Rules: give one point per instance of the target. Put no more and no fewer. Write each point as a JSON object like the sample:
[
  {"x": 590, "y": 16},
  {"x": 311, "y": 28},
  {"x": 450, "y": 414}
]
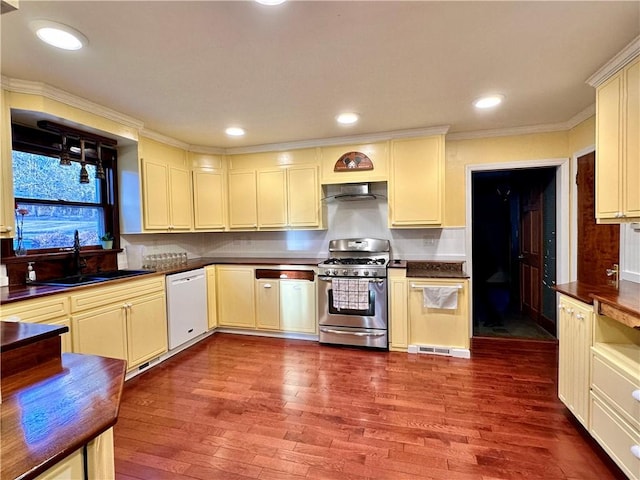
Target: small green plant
[{"x": 107, "y": 237}]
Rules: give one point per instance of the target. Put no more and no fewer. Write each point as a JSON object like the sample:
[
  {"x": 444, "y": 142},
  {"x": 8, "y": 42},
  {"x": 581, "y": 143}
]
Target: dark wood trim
[{"x": 285, "y": 274}]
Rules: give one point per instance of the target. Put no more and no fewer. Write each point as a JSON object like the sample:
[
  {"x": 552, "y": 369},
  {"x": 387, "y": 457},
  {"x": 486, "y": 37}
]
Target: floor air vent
[{"x": 436, "y": 350}]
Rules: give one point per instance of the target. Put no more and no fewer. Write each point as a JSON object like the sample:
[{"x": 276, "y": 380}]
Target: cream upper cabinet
[
  {"x": 618, "y": 146},
  {"x": 209, "y": 200},
  {"x": 243, "y": 198},
  {"x": 272, "y": 198},
  {"x": 378, "y": 153},
  {"x": 166, "y": 187},
  {"x": 303, "y": 200},
  {"x": 575, "y": 324},
  {"x": 289, "y": 197},
  {"x": 235, "y": 296},
  {"x": 416, "y": 182}
]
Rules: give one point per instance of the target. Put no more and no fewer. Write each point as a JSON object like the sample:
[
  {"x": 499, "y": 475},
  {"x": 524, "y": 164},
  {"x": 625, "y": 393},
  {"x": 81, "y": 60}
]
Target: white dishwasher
[{"x": 186, "y": 306}]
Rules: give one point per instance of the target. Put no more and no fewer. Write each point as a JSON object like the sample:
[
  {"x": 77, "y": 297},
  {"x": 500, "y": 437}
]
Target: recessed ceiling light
[
  {"x": 59, "y": 35},
  {"x": 270, "y": 2},
  {"x": 488, "y": 101},
  {"x": 234, "y": 131},
  {"x": 347, "y": 118}
]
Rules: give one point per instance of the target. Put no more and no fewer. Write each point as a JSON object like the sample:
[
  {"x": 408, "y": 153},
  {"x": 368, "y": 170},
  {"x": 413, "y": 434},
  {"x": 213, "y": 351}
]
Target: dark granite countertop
[{"x": 26, "y": 292}]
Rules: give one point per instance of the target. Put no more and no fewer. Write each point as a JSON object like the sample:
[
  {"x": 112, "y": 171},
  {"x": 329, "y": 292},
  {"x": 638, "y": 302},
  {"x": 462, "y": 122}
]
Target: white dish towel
[
  {"x": 440, "y": 297},
  {"x": 350, "y": 293}
]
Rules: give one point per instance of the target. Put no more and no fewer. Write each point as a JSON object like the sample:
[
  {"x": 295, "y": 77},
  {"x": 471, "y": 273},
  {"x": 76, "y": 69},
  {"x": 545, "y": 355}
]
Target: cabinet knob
[
  {"x": 636, "y": 394},
  {"x": 570, "y": 311},
  {"x": 635, "y": 450},
  {"x": 561, "y": 307},
  {"x": 580, "y": 316}
]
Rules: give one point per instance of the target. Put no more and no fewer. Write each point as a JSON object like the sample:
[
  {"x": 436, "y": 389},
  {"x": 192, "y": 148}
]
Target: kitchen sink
[{"x": 87, "y": 279}]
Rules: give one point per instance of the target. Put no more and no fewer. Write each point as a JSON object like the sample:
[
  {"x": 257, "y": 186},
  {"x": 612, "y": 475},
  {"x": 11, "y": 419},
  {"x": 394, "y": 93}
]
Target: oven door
[{"x": 374, "y": 317}]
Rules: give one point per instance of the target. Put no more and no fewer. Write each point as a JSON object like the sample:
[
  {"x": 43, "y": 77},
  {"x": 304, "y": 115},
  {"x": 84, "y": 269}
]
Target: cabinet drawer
[
  {"x": 39, "y": 310},
  {"x": 100, "y": 296},
  {"x": 617, "y": 389},
  {"x": 615, "y": 436}
]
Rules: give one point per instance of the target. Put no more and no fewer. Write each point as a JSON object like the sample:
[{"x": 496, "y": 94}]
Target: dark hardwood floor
[{"x": 239, "y": 407}]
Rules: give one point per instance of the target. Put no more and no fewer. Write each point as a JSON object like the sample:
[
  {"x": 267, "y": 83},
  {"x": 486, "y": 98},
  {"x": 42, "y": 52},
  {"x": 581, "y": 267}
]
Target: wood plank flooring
[{"x": 241, "y": 407}]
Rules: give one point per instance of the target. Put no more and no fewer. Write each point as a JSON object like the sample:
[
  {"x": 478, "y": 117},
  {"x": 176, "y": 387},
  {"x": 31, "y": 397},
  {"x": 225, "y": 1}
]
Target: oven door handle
[
  {"x": 379, "y": 281},
  {"x": 357, "y": 334}
]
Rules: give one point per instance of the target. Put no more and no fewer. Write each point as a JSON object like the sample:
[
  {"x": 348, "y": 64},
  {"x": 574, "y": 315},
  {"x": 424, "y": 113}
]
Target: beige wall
[
  {"x": 582, "y": 135},
  {"x": 460, "y": 153}
]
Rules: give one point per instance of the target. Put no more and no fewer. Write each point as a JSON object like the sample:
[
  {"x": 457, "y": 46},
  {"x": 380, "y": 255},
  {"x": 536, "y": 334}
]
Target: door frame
[{"x": 563, "y": 225}]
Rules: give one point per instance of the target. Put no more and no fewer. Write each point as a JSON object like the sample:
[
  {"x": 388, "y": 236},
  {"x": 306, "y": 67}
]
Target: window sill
[{"x": 38, "y": 257}]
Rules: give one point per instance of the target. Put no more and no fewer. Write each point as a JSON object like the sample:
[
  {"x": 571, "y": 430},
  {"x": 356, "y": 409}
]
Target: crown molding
[
  {"x": 628, "y": 53},
  {"x": 159, "y": 137},
  {"x": 53, "y": 93},
  {"x": 209, "y": 150},
  {"x": 328, "y": 142},
  {"x": 528, "y": 129}
]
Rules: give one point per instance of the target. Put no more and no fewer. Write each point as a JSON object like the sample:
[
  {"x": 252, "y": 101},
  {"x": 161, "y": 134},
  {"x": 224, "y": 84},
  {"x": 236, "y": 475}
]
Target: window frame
[{"x": 39, "y": 142}]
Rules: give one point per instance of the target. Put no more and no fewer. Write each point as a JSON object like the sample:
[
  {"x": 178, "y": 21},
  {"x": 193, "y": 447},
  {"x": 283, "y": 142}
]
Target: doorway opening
[{"x": 513, "y": 243}]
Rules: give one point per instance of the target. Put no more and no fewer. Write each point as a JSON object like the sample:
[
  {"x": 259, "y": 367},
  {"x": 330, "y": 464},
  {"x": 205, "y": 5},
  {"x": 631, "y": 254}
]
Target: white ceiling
[{"x": 190, "y": 69}]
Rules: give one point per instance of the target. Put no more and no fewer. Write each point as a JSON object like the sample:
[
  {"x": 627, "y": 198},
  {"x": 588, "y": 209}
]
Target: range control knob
[
  {"x": 345, "y": 272},
  {"x": 355, "y": 272},
  {"x": 366, "y": 273}
]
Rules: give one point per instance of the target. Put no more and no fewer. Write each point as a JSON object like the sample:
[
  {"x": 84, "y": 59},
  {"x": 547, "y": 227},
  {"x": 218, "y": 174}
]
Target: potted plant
[{"x": 107, "y": 241}]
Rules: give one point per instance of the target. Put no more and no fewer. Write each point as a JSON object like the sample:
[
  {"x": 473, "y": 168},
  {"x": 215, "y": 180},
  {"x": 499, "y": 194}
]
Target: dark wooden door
[
  {"x": 530, "y": 256},
  {"x": 598, "y": 245}
]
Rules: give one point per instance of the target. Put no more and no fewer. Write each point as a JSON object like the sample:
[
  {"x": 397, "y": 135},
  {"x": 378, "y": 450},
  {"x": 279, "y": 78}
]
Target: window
[{"x": 51, "y": 203}]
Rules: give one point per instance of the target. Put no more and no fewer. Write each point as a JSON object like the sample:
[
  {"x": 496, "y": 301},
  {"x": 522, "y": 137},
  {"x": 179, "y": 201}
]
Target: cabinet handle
[
  {"x": 636, "y": 394},
  {"x": 580, "y": 316},
  {"x": 5, "y": 229},
  {"x": 561, "y": 307},
  {"x": 570, "y": 311},
  {"x": 267, "y": 285},
  {"x": 635, "y": 450}
]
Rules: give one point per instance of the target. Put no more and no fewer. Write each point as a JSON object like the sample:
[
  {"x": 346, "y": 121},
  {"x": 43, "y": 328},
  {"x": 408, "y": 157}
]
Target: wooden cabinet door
[
  {"x": 235, "y": 296},
  {"x": 608, "y": 144},
  {"x": 303, "y": 196},
  {"x": 298, "y": 312},
  {"x": 416, "y": 182},
  {"x": 156, "y": 204},
  {"x": 243, "y": 211},
  {"x": 268, "y": 304},
  {"x": 272, "y": 198},
  {"x": 209, "y": 200},
  {"x": 146, "y": 328},
  {"x": 631, "y": 167},
  {"x": 101, "y": 332},
  {"x": 180, "y": 217}
]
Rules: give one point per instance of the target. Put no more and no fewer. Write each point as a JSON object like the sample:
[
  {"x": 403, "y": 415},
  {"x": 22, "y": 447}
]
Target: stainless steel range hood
[{"x": 354, "y": 191}]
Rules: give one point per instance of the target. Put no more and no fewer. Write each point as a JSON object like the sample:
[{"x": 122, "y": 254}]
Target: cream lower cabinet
[
  {"x": 575, "y": 324},
  {"x": 416, "y": 182},
  {"x": 126, "y": 321},
  {"x": 51, "y": 310},
  {"x": 212, "y": 301},
  {"x": 298, "y": 306},
  {"x": 268, "y": 304},
  {"x": 235, "y": 296},
  {"x": 398, "y": 315},
  {"x": 618, "y": 146},
  {"x": 448, "y": 328},
  {"x": 70, "y": 468},
  {"x": 615, "y": 392}
]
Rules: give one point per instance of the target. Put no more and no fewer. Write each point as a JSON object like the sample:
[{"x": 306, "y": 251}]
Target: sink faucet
[
  {"x": 614, "y": 273},
  {"x": 78, "y": 262}
]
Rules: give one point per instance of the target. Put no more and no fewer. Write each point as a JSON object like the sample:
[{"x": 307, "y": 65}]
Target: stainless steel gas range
[{"x": 352, "y": 293}]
